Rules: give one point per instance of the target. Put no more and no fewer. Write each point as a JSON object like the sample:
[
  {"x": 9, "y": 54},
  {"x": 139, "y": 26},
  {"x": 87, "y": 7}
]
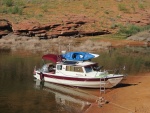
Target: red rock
[
  {"x": 54, "y": 25},
  {"x": 26, "y": 25},
  {"x": 69, "y": 33},
  {"x": 53, "y": 32},
  {"x": 3, "y": 33},
  {"x": 37, "y": 32},
  {"x": 5, "y": 27},
  {"x": 80, "y": 22},
  {"x": 34, "y": 28},
  {"x": 72, "y": 26},
  {"x": 4, "y": 23},
  {"x": 60, "y": 28}
]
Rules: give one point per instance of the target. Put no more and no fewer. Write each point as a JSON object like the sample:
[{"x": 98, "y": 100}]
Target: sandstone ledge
[{"x": 32, "y": 28}]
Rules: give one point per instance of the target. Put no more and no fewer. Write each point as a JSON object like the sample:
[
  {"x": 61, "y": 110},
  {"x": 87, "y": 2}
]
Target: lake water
[{"x": 20, "y": 93}]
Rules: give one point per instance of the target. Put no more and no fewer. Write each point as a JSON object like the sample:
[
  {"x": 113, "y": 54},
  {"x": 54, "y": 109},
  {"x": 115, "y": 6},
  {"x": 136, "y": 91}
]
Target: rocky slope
[{"x": 72, "y": 19}]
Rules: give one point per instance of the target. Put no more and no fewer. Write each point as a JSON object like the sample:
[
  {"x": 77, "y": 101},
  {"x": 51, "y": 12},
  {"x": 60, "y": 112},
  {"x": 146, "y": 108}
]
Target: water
[
  {"x": 130, "y": 60},
  {"x": 19, "y": 93}
]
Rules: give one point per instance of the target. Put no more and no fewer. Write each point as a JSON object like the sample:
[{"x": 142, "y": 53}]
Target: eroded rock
[{"x": 5, "y": 27}]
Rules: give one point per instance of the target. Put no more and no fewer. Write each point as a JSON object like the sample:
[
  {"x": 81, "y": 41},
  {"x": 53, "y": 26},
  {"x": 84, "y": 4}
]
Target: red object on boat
[{"x": 52, "y": 57}]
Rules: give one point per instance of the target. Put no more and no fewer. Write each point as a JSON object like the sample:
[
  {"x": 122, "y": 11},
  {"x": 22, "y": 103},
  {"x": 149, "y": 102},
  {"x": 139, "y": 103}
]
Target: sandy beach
[{"x": 131, "y": 96}]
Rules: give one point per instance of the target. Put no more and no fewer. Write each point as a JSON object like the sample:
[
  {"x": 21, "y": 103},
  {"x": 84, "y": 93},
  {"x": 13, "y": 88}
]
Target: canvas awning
[{"x": 52, "y": 57}]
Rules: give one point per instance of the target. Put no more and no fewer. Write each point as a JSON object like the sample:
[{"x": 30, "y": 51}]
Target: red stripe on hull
[{"x": 77, "y": 79}]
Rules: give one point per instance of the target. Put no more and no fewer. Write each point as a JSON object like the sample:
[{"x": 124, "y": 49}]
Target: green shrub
[
  {"x": 44, "y": 8},
  {"x": 8, "y": 3},
  {"x": 133, "y": 7},
  {"x": 128, "y": 30},
  {"x": 12, "y": 10},
  {"x": 106, "y": 12},
  {"x": 4, "y": 10},
  {"x": 16, "y": 10},
  {"x": 122, "y": 7},
  {"x": 113, "y": 26},
  {"x": 141, "y": 6},
  {"x": 131, "y": 29}
]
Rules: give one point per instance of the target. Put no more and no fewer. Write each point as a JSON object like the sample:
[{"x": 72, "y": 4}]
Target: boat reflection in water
[{"x": 71, "y": 99}]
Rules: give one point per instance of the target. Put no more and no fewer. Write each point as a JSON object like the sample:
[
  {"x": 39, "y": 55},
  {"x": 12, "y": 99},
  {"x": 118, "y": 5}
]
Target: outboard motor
[{"x": 45, "y": 68}]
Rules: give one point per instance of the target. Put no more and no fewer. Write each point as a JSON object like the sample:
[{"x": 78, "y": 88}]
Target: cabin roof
[
  {"x": 86, "y": 63},
  {"x": 78, "y": 63}
]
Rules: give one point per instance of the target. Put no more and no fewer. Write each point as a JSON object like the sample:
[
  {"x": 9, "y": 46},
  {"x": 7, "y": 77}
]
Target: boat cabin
[{"x": 75, "y": 68}]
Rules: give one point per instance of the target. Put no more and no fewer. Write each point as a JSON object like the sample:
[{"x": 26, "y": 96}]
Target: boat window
[
  {"x": 88, "y": 69},
  {"x": 69, "y": 68},
  {"x": 59, "y": 67},
  {"x": 78, "y": 69},
  {"x": 74, "y": 69}
]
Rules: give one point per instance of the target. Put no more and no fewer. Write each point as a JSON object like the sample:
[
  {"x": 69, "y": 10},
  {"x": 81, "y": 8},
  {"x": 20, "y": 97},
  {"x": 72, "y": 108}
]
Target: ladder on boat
[{"x": 102, "y": 85}]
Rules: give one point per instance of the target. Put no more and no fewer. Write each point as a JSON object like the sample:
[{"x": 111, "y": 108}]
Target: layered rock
[
  {"x": 50, "y": 30},
  {"x": 137, "y": 19},
  {"x": 5, "y": 27}
]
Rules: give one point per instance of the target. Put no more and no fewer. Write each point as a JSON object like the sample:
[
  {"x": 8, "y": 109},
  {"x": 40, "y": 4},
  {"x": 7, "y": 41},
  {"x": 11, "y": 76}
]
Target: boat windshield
[{"x": 88, "y": 69}]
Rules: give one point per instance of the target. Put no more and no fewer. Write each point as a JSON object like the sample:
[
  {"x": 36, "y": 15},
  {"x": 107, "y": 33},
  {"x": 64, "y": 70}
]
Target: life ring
[{"x": 41, "y": 76}]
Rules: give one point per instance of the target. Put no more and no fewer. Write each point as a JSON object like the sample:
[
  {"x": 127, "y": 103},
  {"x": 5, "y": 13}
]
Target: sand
[{"x": 131, "y": 96}]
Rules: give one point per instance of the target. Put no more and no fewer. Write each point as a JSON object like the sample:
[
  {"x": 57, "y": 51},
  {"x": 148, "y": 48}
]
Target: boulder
[
  {"x": 30, "y": 28},
  {"x": 141, "y": 36},
  {"x": 5, "y": 27}
]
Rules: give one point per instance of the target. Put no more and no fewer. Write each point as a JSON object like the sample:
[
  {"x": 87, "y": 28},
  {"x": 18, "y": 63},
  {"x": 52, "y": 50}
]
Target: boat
[
  {"x": 79, "y": 56},
  {"x": 75, "y": 73}
]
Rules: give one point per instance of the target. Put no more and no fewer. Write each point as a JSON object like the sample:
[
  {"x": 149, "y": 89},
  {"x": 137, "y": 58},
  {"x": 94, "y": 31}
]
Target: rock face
[
  {"x": 5, "y": 27},
  {"x": 48, "y": 31},
  {"x": 31, "y": 28}
]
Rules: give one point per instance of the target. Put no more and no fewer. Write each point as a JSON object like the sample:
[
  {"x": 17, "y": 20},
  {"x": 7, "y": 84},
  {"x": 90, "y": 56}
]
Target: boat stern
[{"x": 114, "y": 80}]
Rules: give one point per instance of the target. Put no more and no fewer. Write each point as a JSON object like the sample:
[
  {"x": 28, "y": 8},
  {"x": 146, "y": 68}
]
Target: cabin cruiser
[{"x": 78, "y": 73}]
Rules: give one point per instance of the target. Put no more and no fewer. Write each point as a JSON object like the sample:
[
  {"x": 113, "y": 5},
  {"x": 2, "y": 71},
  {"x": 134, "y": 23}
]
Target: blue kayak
[{"x": 79, "y": 56}]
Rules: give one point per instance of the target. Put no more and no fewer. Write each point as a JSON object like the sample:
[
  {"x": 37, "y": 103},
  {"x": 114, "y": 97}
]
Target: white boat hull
[{"x": 108, "y": 82}]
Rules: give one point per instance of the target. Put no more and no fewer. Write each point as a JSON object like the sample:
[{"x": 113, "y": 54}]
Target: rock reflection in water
[{"x": 67, "y": 98}]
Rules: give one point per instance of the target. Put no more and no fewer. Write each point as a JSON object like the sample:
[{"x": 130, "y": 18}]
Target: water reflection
[
  {"x": 68, "y": 98},
  {"x": 139, "y": 49},
  {"x": 135, "y": 59}
]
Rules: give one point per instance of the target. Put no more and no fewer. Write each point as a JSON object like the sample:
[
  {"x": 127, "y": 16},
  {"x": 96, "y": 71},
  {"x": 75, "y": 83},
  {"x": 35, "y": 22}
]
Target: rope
[
  {"x": 101, "y": 101},
  {"x": 122, "y": 107}
]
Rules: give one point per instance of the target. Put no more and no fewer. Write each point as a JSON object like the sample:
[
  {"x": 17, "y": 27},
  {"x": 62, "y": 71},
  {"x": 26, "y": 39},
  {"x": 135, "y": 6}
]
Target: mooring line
[{"x": 122, "y": 107}]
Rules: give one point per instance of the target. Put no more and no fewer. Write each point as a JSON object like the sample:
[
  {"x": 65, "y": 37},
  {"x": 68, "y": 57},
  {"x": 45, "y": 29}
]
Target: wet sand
[{"x": 131, "y": 96}]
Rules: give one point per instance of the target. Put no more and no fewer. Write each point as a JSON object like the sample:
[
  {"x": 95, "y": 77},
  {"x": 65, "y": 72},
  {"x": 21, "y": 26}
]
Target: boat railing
[{"x": 115, "y": 71}]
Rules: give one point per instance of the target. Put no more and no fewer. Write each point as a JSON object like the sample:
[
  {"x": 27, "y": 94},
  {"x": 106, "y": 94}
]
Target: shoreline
[
  {"x": 131, "y": 96},
  {"x": 17, "y": 44}
]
